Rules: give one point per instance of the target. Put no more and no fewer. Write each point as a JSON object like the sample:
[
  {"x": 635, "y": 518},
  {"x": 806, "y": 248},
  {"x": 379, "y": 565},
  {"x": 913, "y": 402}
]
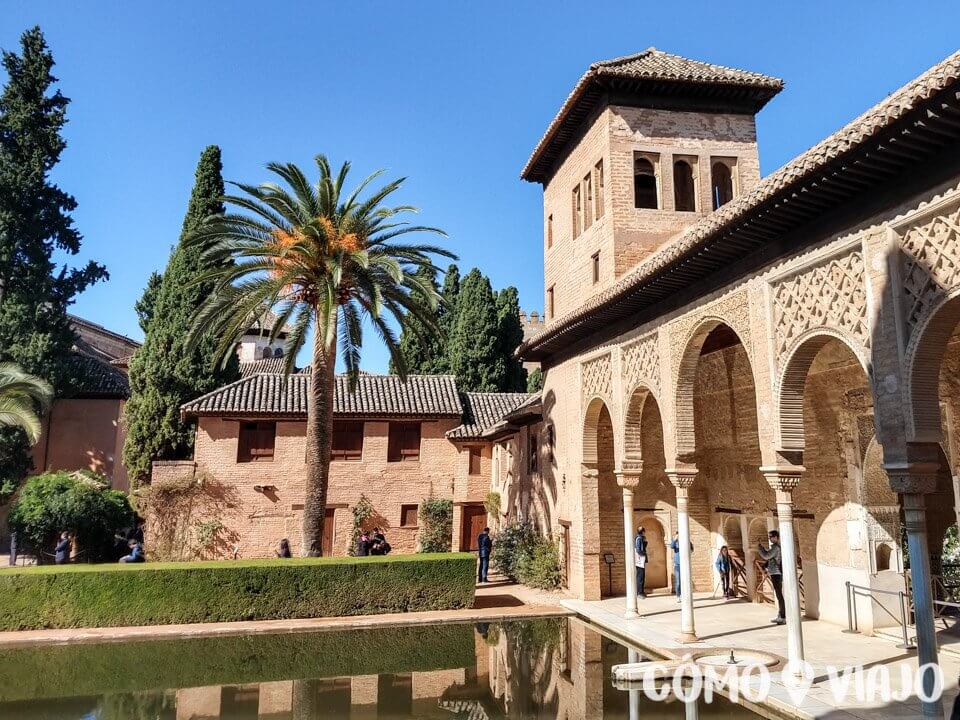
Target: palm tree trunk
[{"x": 319, "y": 435}]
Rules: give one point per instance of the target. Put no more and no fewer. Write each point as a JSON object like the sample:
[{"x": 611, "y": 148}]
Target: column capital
[
  {"x": 783, "y": 478},
  {"x": 912, "y": 478},
  {"x": 682, "y": 476},
  {"x": 628, "y": 475}
]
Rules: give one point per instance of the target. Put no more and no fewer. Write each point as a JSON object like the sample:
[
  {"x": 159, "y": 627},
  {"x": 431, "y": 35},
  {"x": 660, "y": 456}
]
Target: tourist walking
[
  {"x": 775, "y": 571},
  {"x": 283, "y": 549},
  {"x": 640, "y": 560},
  {"x": 675, "y": 546},
  {"x": 484, "y": 547},
  {"x": 723, "y": 566},
  {"x": 363, "y": 544},
  {"x": 61, "y": 555}
]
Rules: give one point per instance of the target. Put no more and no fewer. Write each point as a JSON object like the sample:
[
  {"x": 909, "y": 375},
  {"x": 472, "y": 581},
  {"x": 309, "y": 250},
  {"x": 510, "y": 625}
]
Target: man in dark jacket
[
  {"x": 61, "y": 555},
  {"x": 775, "y": 571},
  {"x": 484, "y": 546},
  {"x": 640, "y": 560}
]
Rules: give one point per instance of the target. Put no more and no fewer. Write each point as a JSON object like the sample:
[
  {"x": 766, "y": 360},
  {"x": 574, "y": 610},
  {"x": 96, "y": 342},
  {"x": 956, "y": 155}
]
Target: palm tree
[
  {"x": 23, "y": 399},
  {"x": 322, "y": 262}
]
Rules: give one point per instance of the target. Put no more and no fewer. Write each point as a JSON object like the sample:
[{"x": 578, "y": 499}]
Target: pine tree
[
  {"x": 509, "y": 337},
  {"x": 163, "y": 373},
  {"x": 35, "y": 223},
  {"x": 424, "y": 350},
  {"x": 145, "y": 306},
  {"x": 474, "y": 352}
]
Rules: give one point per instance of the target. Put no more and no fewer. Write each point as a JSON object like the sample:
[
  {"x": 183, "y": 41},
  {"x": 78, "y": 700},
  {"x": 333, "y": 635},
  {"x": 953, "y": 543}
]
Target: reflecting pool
[{"x": 544, "y": 668}]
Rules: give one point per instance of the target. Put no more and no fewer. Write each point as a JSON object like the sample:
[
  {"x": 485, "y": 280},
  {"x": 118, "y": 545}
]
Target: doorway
[
  {"x": 474, "y": 521},
  {"x": 656, "y": 575}
]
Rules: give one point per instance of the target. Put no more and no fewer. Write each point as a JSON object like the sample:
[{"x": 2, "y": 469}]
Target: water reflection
[{"x": 549, "y": 668}]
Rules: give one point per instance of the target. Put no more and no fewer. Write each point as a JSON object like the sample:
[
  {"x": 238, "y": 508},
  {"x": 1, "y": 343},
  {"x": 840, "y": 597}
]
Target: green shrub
[
  {"x": 362, "y": 512},
  {"x": 436, "y": 525},
  {"x": 507, "y": 545},
  {"x": 78, "y": 502},
  {"x": 223, "y": 591},
  {"x": 521, "y": 554},
  {"x": 539, "y": 565},
  {"x": 82, "y": 669}
]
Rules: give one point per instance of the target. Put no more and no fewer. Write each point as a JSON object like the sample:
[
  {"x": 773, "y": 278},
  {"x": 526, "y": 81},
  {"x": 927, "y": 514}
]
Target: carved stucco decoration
[
  {"x": 641, "y": 364},
  {"x": 732, "y": 309},
  {"x": 930, "y": 265},
  {"x": 831, "y": 294},
  {"x": 596, "y": 378}
]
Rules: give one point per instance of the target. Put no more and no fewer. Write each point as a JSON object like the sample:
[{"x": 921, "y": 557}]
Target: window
[
  {"x": 266, "y": 353},
  {"x": 577, "y": 212},
  {"x": 587, "y": 201},
  {"x": 278, "y": 352},
  {"x": 408, "y": 515},
  {"x": 644, "y": 183},
  {"x": 550, "y": 231},
  {"x": 474, "y": 453},
  {"x": 684, "y": 189},
  {"x": 404, "y": 442},
  {"x": 257, "y": 441},
  {"x": 598, "y": 183},
  {"x": 550, "y": 302},
  {"x": 533, "y": 452},
  {"x": 550, "y": 443},
  {"x": 595, "y": 262},
  {"x": 721, "y": 181},
  {"x": 347, "y": 440}
]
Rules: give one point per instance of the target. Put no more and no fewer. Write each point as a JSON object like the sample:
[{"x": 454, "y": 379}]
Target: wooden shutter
[
  {"x": 474, "y": 460},
  {"x": 257, "y": 441},
  {"x": 404, "y": 442},
  {"x": 347, "y": 440},
  {"x": 408, "y": 515}
]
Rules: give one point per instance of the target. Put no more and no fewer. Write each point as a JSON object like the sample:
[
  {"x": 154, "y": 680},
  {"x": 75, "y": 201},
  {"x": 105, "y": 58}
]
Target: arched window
[
  {"x": 883, "y": 557},
  {"x": 684, "y": 193},
  {"x": 644, "y": 184},
  {"x": 722, "y": 184},
  {"x": 278, "y": 353},
  {"x": 266, "y": 353}
]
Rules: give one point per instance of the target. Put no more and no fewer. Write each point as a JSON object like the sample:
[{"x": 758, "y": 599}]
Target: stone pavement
[
  {"x": 494, "y": 602},
  {"x": 738, "y": 624}
]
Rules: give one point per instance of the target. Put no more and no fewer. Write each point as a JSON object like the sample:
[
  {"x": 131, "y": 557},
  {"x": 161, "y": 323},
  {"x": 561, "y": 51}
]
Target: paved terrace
[{"x": 743, "y": 625}]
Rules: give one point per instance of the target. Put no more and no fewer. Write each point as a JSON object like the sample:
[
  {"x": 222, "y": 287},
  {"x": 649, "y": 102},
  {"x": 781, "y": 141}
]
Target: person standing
[
  {"x": 723, "y": 567},
  {"x": 640, "y": 559},
  {"x": 61, "y": 555},
  {"x": 775, "y": 571},
  {"x": 283, "y": 549},
  {"x": 363, "y": 544},
  {"x": 484, "y": 546},
  {"x": 675, "y": 546}
]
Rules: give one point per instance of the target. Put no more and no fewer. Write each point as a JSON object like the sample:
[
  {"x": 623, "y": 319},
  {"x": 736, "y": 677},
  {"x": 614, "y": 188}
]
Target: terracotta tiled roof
[
  {"x": 375, "y": 396},
  {"x": 98, "y": 378},
  {"x": 805, "y": 167},
  {"x": 483, "y": 410},
  {"x": 267, "y": 365},
  {"x": 657, "y": 72}
]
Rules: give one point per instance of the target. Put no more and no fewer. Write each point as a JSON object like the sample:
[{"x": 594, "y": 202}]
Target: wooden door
[
  {"x": 565, "y": 570},
  {"x": 474, "y": 521},
  {"x": 328, "y": 526},
  {"x": 656, "y": 575}
]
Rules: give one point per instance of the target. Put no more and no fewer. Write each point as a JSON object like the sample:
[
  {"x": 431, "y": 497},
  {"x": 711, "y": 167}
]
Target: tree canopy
[
  {"x": 165, "y": 372},
  {"x": 35, "y": 223}
]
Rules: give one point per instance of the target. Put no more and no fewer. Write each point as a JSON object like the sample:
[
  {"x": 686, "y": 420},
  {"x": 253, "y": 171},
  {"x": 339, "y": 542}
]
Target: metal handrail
[{"x": 853, "y": 625}]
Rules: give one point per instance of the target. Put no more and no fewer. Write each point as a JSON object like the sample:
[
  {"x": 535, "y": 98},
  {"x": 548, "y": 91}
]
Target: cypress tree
[
  {"x": 509, "y": 337},
  {"x": 423, "y": 349},
  {"x": 35, "y": 222},
  {"x": 535, "y": 381},
  {"x": 163, "y": 374},
  {"x": 145, "y": 305},
  {"x": 451, "y": 295},
  {"x": 474, "y": 352}
]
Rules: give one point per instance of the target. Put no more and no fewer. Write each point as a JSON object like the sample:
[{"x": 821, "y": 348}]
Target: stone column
[
  {"x": 749, "y": 554},
  {"x": 784, "y": 480},
  {"x": 682, "y": 478},
  {"x": 913, "y": 481},
  {"x": 628, "y": 477}
]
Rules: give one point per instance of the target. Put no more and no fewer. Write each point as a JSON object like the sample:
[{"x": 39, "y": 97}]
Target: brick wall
[{"x": 256, "y": 520}]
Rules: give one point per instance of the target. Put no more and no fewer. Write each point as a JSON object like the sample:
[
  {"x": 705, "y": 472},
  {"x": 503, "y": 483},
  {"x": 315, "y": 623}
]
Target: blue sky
[{"x": 452, "y": 95}]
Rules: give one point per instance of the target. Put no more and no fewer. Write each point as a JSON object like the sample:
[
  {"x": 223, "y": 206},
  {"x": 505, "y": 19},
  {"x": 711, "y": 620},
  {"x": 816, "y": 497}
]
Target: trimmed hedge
[
  {"x": 69, "y": 670},
  {"x": 223, "y": 591}
]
